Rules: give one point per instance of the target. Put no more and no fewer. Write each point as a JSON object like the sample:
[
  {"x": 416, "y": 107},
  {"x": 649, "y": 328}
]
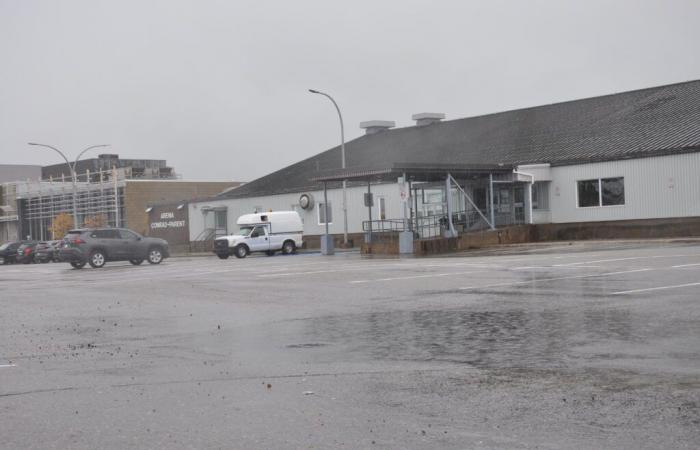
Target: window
[
  {"x": 433, "y": 196},
  {"x": 126, "y": 234},
  {"x": 481, "y": 198},
  {"x": 613, "y": 191},
  {"x": 601, "y": 192},
  {"x": 540, "y": 195},
  {"x": 503, "y": 200},
  {"x": 588, "y": 193},
  {"x": 105, "y": 234},
  {"x": 258, "y": 232},
  {"x": 381, "y": 208},
  {"x": 220, "y": 221},
  {"x": 322, "y": 213}
]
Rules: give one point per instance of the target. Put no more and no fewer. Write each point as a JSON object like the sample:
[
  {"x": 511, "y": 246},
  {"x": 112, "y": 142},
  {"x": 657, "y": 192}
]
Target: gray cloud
[{"x": 218, "y": 88}]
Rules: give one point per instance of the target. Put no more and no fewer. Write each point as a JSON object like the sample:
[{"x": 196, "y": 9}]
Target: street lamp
[
  {"x": 72, "y": 173},
  {"x": 342, "y": 156}
]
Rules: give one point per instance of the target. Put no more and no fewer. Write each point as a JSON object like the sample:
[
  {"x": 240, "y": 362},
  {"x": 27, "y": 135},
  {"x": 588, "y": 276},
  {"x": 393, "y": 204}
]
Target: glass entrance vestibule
[
  {"x": 448, "y": 201},
  {"x": 471, "y": 209}
]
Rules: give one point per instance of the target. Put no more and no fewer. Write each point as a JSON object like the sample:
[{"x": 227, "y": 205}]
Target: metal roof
[{"x": 648, "y": 122}]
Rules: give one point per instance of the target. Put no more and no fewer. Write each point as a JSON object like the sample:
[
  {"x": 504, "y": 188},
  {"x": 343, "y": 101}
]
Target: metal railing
[
  {"x": 424, "y": 227},
  {"x": 207, "y": 234}
]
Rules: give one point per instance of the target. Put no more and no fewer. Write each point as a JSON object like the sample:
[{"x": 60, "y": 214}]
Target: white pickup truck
[{"x": 262, "y": 232}]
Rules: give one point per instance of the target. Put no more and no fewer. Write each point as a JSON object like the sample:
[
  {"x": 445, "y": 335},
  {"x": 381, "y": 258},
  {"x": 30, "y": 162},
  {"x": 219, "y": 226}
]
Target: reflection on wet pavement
[{"x": 495, "y": 339}]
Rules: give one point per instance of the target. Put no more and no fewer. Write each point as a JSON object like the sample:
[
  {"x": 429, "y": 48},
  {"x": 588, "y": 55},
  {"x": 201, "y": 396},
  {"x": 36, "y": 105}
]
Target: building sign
[
  {"x": 169, "y": 222},
  {"x": 404, "y": 193}
]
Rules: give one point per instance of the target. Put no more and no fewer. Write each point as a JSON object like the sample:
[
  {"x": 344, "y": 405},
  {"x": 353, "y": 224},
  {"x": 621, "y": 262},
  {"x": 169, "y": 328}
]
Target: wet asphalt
[{"x": 581, "y": 346}]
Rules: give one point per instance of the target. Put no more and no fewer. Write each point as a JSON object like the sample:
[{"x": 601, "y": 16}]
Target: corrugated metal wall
[{"x": 659, "y": 187}]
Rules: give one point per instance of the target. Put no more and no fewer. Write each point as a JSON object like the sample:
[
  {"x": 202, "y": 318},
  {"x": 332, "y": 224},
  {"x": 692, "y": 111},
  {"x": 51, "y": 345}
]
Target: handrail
[{"x": 492, "y": 225}]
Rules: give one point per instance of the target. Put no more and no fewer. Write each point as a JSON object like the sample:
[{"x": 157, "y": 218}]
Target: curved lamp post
[
  {"x": 72, "y": 173},
  {"x": 342, "y": 156}
]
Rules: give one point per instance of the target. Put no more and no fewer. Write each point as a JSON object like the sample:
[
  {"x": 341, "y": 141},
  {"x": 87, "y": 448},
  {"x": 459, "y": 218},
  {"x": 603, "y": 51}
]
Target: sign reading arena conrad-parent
[{"x": 169, "y": 223}]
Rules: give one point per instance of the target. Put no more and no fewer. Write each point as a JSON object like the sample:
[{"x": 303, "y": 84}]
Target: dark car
[
  {"x": 25, "y": 252},
  {"x": 99, "y": 245},
  {"x": 47, "y": 251},
  {"x": 8, "y": 251}
]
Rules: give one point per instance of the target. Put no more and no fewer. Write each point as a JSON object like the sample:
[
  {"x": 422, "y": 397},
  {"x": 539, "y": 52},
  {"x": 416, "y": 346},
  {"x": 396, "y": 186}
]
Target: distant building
[
  {"x": 152, "y": 169},
  {"x": 117, "y": 191}
]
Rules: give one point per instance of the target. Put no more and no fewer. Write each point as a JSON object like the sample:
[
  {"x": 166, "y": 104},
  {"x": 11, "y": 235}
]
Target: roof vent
[
  {"x": 376, "y": 126},
  {"x": 427, "y": 118}
]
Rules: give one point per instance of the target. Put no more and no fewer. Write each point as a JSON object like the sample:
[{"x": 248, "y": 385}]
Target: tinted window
[
  {"x": 588, "y": 194},
  {"x": 126, "y": 234},
  {"x": 4, "y": 246},
  {"x": 613, "y": 191},
  {"x": 105, "y": 234}
]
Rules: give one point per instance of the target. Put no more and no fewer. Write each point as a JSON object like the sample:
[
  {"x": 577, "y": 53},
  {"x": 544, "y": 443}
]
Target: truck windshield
[{"x": 245, "y": 231}]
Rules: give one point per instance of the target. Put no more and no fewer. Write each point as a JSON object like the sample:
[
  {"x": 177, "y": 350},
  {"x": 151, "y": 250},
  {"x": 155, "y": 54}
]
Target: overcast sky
[{"x": 219, "y": 88}]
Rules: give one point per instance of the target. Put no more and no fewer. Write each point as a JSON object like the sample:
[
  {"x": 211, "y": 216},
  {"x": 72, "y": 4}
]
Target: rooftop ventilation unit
[
  {"x": 427, "y": 118},
  {"x": 377, "y": 126}
]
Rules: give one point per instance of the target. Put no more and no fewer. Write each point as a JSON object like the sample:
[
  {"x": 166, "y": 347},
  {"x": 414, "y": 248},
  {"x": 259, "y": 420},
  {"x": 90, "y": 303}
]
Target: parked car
[
  {"x": 47, "y": 251},
  {"x": 8, "y": 251},
  {"x": 25, "y": 252},
  {"x": 266, "y": 232},
  {"x": 96, "y": 246}
]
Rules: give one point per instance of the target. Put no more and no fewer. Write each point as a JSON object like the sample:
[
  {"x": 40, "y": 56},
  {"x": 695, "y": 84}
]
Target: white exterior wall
[
  {"x": 658, "y": 187},
  {"x": 357, "y": 212}
]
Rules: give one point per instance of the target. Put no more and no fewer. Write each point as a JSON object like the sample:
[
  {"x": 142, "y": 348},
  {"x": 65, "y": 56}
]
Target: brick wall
[{"x": 139, "y": 194}]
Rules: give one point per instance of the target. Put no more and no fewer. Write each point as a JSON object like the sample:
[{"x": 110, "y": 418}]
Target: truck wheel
[
  {"x": 223, "y": 255},
  {"x": 77, "y": 265},
  {"x": 97, "y": 259},
  {"x": 270, "y": 253},
  {"x": 288, "y": 247},
  {"x": 241, "y": 251}
]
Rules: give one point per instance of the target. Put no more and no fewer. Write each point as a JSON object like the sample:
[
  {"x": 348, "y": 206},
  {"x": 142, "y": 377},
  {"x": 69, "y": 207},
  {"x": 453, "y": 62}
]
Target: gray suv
[{"x": 99, "y": 245}]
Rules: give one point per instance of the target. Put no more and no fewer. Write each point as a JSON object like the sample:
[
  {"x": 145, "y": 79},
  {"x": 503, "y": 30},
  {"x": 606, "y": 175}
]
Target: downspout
[{"x": 532, "y": 182}]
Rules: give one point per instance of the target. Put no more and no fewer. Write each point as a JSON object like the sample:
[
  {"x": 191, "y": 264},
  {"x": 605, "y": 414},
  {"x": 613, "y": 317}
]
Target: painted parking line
[
  {"x": 659, "y": 288},
  {"x": 554, "y": 267},
  {"x": 412, "y": 277},
  {"x": 3, "y": 366},
  {"x": 572, "y": 277},
  {"x": 631, "y": 258},
  {"x": 685, "y": 265},
  {"x": 363, "y": 267}
]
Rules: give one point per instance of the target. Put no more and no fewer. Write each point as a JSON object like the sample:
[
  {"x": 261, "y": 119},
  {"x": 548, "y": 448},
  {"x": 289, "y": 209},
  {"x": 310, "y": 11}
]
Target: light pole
[
  {"x": 72, "y": 173},
  {"x": 342, "y": 156}
]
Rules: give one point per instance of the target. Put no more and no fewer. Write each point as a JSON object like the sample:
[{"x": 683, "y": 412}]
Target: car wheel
[
  {"x": 155, "y": 256},
  {"x": 288, "y": 247},
  {"x": 222, "y": 255},
  {"x": 241, "y": 251},
  {"x": 97, "y": 259},
  {"x": 77, "y": 265},
  {"x": 136, "y": 261}
]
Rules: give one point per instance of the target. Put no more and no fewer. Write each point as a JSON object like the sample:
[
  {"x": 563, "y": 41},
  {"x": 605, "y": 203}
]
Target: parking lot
[{"x": 593, "y": 345}]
